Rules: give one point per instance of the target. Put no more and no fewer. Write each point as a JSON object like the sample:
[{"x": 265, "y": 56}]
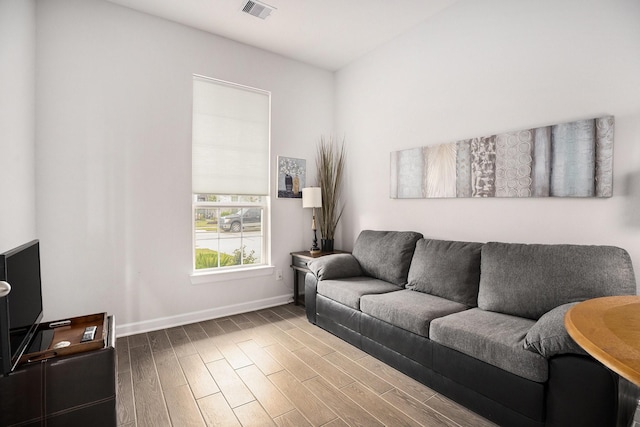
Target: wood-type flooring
[{"x": 268, "y": 368}]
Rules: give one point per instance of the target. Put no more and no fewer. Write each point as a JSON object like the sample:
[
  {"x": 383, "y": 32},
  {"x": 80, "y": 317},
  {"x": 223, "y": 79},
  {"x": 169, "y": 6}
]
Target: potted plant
[{"x": 330, "y": 173}]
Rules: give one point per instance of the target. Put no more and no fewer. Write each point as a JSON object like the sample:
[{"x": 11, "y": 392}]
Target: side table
[{"x": 299, "y": 262}]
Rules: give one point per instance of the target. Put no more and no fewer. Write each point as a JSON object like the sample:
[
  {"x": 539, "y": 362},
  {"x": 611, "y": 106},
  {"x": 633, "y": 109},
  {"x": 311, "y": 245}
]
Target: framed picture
[
  {"x": 291, "y": 177},
  {"x": 573, "y": 159}
]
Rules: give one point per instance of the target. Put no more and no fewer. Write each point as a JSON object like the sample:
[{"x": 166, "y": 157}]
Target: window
[
  {"x": 229, "y": 231},
  {"x": 230, "y": 158}
]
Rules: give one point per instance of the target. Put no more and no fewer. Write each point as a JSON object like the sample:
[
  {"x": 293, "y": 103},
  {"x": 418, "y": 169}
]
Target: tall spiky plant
[{"x": 330, "y": 162}]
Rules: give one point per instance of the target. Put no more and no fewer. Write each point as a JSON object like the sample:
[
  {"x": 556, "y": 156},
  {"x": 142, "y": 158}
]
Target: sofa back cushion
[
  {"x": 446, "y": 269},
  {"x": 386, "y": 255},
  {"x": 530, "y": 280}
]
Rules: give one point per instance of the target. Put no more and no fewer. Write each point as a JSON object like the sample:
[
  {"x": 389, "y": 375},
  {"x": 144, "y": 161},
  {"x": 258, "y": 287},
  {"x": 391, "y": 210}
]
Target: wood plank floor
[{"x": 268, "y": 368}]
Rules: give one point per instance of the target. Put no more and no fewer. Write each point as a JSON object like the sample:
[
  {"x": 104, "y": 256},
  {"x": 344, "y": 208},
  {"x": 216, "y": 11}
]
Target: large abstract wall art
[{"x": 565, "y": 160}]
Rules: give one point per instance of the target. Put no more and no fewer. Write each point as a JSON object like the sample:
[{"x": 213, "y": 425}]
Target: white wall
[
  {"x": 482, "y": 67},
  {"x": 114, "y": 162},
  {"x": 113, "y": 131},
  {"x": 17, "y": 122}
]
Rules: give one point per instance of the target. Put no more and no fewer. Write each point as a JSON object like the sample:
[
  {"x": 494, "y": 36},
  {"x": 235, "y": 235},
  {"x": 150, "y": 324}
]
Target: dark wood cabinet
[{"x": 77, "y": 389}]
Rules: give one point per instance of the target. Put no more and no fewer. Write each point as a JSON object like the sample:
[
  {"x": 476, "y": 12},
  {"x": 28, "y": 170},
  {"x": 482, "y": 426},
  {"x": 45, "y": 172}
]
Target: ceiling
[{"x": 325, "y": 33}]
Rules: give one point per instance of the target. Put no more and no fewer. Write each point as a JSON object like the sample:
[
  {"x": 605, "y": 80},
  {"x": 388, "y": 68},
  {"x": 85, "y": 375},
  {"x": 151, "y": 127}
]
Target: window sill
[{"x": 223, "y": 276}]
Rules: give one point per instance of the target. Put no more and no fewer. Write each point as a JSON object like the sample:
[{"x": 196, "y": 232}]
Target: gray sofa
[{"x": 481, "y": 323}]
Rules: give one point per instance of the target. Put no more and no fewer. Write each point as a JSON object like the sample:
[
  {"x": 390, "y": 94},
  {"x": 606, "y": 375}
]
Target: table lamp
[{"x": 312, "y": 198}]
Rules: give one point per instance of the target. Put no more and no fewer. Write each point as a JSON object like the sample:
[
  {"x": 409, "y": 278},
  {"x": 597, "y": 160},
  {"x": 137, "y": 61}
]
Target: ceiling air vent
[{"x": 256, "y": 8}]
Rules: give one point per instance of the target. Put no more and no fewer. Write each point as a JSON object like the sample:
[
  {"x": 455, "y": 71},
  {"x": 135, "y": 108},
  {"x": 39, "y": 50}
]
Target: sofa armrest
[
  {"x": 549, "y": 337},
  {"x": 336, "y": 266},
  {"x": 310, "y": 292},
  {"x": 582, "y": 391}
]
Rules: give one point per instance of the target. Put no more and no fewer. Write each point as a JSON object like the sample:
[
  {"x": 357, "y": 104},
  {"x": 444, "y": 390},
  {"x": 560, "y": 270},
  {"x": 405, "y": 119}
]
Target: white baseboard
[{"x": 199, "y": 316}]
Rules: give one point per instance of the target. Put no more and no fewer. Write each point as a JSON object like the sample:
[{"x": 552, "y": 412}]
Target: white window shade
[{"x": 230, "y": 147}]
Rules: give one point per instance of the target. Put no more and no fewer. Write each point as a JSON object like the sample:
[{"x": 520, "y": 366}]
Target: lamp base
[{"x": 315, "y": 250}]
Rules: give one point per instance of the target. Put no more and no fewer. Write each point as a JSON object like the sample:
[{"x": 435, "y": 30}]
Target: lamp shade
[{"x": 311, "y": 197}]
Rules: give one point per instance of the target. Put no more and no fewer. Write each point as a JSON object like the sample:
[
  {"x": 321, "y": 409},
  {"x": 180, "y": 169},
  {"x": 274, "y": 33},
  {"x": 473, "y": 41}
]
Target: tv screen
[{"x": 21, "y": 309}]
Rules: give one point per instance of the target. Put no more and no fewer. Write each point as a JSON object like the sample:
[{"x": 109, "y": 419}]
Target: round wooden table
[{"x": 608, "y": 328}]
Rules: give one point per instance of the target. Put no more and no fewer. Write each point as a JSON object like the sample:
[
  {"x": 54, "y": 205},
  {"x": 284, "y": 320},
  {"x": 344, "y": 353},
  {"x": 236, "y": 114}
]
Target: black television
[{"x": 21, "y": 307}]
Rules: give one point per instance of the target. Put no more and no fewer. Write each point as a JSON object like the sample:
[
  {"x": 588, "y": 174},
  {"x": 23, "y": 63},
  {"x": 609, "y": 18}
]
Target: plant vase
[{"x": 326, "y": 245}]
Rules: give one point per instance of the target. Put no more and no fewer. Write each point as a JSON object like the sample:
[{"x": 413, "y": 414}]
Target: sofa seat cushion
[
  {"x": 348, "y": 291},
  {"x": 409, "y": 310},
  {"x": 494, "y": 338},
  {"x": 447, "y": 269},
  {"x": 386, "y": 255}
]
